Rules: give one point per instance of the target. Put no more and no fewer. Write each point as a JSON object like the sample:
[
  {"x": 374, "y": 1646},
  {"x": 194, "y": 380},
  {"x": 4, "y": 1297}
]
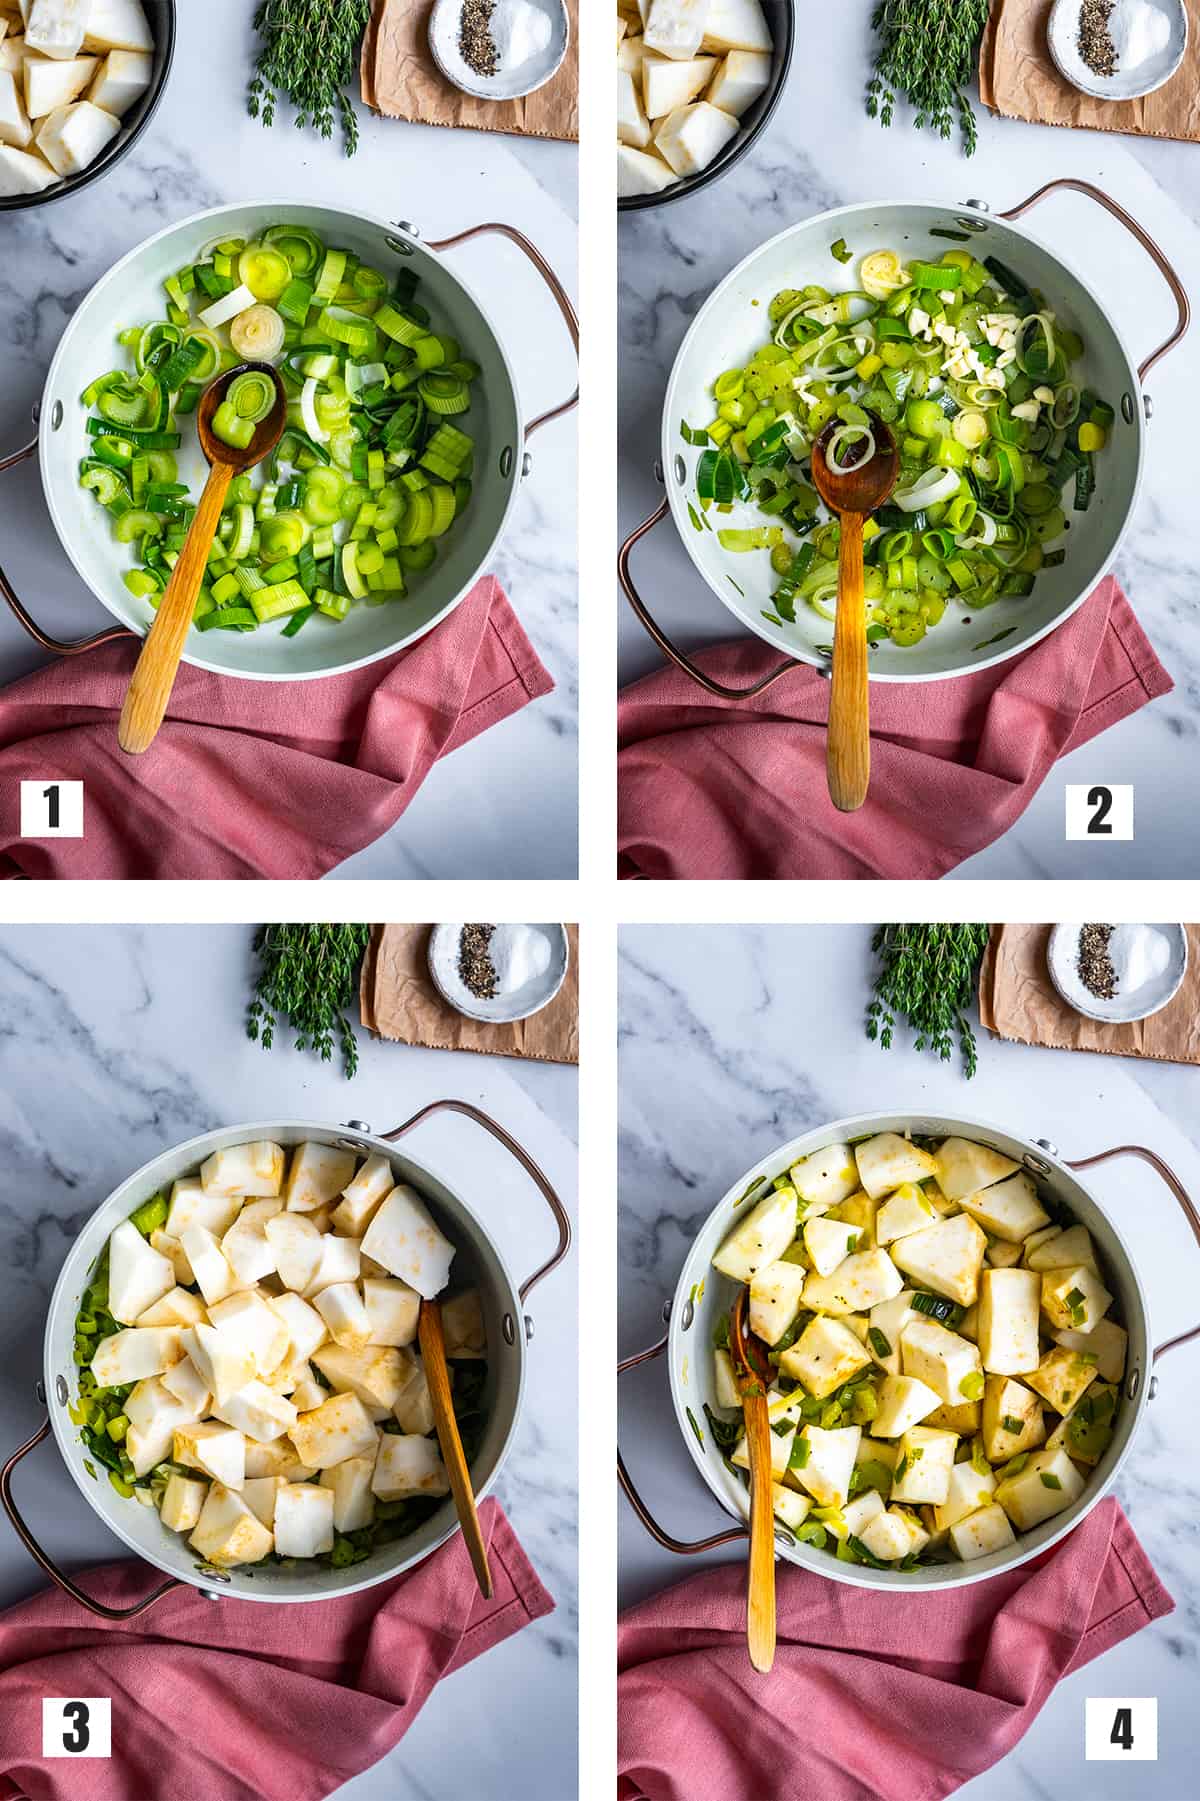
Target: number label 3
[
  {"x": 1120, "y": 1729},
  {"x": 77, "y": 1728}
]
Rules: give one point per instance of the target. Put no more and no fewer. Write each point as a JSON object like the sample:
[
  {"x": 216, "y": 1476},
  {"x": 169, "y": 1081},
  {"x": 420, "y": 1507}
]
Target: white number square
[
  {"x": 1121, "y": 1730},
  {"x": 1099, "y": 812},
  {"x": 51, "y": 809},
  {"x": 77, "y": 1728}
]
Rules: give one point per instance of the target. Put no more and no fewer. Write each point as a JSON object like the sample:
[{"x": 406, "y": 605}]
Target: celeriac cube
[
  {"x": 968, "y": 1325},
  {"x": 377, "y": 1374},
  {"x": 1106, "y": 1341},
  {"x": 1009, "y": 1210},
  {"x": 892, "y": 1535},
  {"x": 981, "y": 1533},
  {"x": 1047, "y": 1485},
  {"x": 1012, "y": 1419},
  {"x": 408, "y": 1465},
  {"x": 825, "y": 1355},
  {"x": 56, "y": 28},
  {"x": 50, "y": 84},
  {"x": 339, "y": 1428},
  {"x": 946, "y": 1258},
  {"x": 190, "y": 1206},
  {"x": 831, "y": 1455},
  {"x": 1062, "y": 1376},
  {"x": 630, "y": 52},
  {"x": 276, "y": 1459},
  {"x": 964, "y": 1167},
  {"x": 856, "y": 1285},
  {"x": 741, "y": 78},
  {"x": 177, "y": 1257},
  {"x": 667, "y": 82},
  {"x": 761, "y": 1238},
  {"x": 1037, "y": 1239},
  {"x": 1001, "y": 1255},
  {"x": 258, "y": 1413},
  {"x": 15, "y": 128},
  {"x": 303, "y": 1519},
  {"x": 182, "y": 1503},
  {"x": 789, "y": 1505},
  {"x": 675, "y": 28},
  {"x": 317, "y": 1175},
  {"x": 393, "y": 1308},
  {"x": 305, "y": 1328},
  {"x": 693, "y": 136},
  {"x": 823, "y": 1179},
  {"x": 178, "y": 1307},
  {"x": 209, "y": 1264},
  {"x": 153, "y": 1415},
  {"x": 781, "y": 1450},
  {"x": 463, "y": 1329},
  {"x": 259, "y": 1492},
  {"x": 724, "y": 1383},
  {"x": 244, "y": 1169},
  {"x": 969, "y": 1490},
  {"x": 828, "y": 1243},
  {"x": 1086, "y": 1433},
  {"x": 736, "y": 25},
  {"x": 1074, "y": 1300},
  {"x": 138, "y": 1275},
  {"x": 942, "y": 1360},
  {"x": 362, "y": 1197},
  {"x": 341, "y": 1307},
  {"x": 353, "y": 1502},
  {"x": 861, "y": 1211},
  {"x": 121, "y": 80},
  {"x": 136, "y": 1352},
  {"x": 638, "y": 172},
  {"x": 12, "y": 59},
  {"x": 903, "y": 1212},
  {"x": 632, "y": 124},
  {"x": 861, "y": 1511},
  {"x": 225, "y": 1360},
  {"x": 1063, "y": 1251},
  {"x": 903, "y": 1403},
  {"x": 212, "y": 1446},
  {"x": 403, "y": 1237},
  {"x": 297, "y": 1248},
  {"x": 228, "y": 1532},
  {"x": 341, "y": 1261},
  {"x": 184, "y": 1381},
  {"x": 963, "y": 1419},
  {"x": 414, "y": 1410},
  {"x": 877, "y": 1450},
  {"x": 308, "y": 1392},
  {"x": 247, "y": 1249},
  {"x": 887, "y": 1322},
  {"x": 888, "y": 1161},
  {"x": 117, "y": 25},
  {"x": 923, "y": 1468},
  {"x": 1008, "y": 1320},
  {"x": 253, "y": 1323},
  {"x": 775, "y": 1300}
]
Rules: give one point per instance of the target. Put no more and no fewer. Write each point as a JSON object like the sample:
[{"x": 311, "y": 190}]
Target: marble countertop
[
  {"x": 821, "y": 151},
  {"x": 505, "y": 805},
  {"x": 761, "y": 1031},
  {"x": 116, "y": 1059}
]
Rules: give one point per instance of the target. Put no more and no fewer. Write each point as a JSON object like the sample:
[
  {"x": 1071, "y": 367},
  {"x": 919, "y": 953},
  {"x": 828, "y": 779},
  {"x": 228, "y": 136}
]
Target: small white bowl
[
  {"x": 1062, "y": 35},
  {"x": 506, "y": 84},
  {"x": 1062, "y": 963},
  {"x": 530, "y": 998}
]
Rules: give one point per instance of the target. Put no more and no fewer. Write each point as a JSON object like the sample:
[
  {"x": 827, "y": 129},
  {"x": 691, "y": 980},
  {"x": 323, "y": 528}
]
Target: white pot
[
  {"x": 702, "y": 1295},
  {"x": 477, "y": 1261}
]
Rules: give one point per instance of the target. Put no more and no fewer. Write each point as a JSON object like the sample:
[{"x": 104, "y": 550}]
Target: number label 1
[
  {"x": 1099, "y": 812},
  {"x": 1120, "y": 1729},
  {"x": 51, "y": 809},
  {"x": 77, "y": 1728}
]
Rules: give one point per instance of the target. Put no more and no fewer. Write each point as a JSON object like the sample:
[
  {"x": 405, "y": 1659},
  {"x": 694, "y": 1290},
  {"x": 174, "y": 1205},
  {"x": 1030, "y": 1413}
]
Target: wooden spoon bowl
[
  {"x": 158, "y": 664},
  {"x": 852, "y": 493},
  {"x": 752, "y": 1372}
]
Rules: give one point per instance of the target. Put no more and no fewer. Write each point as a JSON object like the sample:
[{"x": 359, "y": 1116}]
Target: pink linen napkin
[
  {"x": 254, "y": 779},
  {"x": 874, "y": 1696},
  {"x": 241, "y": 1701},
  {"x": 735, "y": 790}
]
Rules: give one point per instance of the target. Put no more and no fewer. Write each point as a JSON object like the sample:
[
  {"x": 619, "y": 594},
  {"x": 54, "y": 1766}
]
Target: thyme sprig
[
  {"x": 926, "y": 53},
  {"x": 308, "y": 975},
  {"x": 928, "y": 980},
  {"x": 310, "y": 54}
]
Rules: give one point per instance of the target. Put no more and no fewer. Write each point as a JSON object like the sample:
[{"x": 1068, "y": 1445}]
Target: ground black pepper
[
  {"x": 475, "y": 964},
  {"x": 1096, "y": 970},
  {"x": 1095, "y": 42},
  {"x": 475, "y": 38}
]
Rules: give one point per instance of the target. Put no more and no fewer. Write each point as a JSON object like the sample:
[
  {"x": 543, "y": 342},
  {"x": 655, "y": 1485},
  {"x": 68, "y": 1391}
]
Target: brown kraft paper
[
  {"x": 1018, "y": 1001},
  {"x": 1019, "y": 79},
  {"x": 401, "y": 80},
  {"x": 398, "y": 1000}
]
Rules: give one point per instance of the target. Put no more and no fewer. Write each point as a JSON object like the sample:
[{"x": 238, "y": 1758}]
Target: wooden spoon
[
  {"x": 752, "y": 1373},
  {"x": 853, "y": 494},
  {"x": 157, "y": 666},
  {"x": 437, "y": 1374}
]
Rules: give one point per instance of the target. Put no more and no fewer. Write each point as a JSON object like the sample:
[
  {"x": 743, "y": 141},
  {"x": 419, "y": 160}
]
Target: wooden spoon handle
[
  {"x": 433, "y": 1353},
  {"x": 848, "y": 750},
  {"x": 154, "y": 676},
  {"x": 760, "y": 1608}
]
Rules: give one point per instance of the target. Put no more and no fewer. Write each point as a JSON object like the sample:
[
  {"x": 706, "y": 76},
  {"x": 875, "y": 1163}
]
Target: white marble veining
[
  {"x": 504, "y": 806},
  {"x": 734, "y": 1039},
  {"x": 116, "y": 1043},
  {"x": 821, "y": 151}
]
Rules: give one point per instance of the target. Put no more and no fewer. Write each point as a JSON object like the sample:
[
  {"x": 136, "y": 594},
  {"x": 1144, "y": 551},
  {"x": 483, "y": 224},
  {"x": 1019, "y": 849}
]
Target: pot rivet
[
  {"x": 37, "y": 411},
  {"x": 1147, "y": 407},
  {"x": 1152, "y": 1391},
  {"x": 666, "y": 1311},
  {"x": 506, "y": 461},
  {"x": 658, "y": 473},
  {"x": 61, "y": 1391},
  {"x": 680, "y": 471},
  {"x": 526, "y": 466},
  {"x": 980, "y": 206},
  {"x": 356, "y": 1125},
  {"x": 689, "y": 1313},
  {"x": 1133, "y": 1384},
  {"x": 509, "y": 1329},
  {"x": 206, "y": 1594},
  {"x": 56, "y": 415},
  {"x": 528, "y": 1329}
]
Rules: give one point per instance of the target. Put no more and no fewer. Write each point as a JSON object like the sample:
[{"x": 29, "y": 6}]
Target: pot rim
[
  {"x": 209, "y": 1582},
  {"x": 675, "y": 490},
  {"x": 281, "y": 209},
  {"x": 820, "y": 1562}
]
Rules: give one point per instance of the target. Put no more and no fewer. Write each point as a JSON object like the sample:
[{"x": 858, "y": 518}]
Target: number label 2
[{"x": 1099, "y": 812}]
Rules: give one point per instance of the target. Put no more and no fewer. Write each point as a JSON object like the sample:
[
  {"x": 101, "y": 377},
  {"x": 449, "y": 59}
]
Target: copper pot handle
[
  {"x": 60, "y": 646},
  {"x": 665, "y": 644},
  {"x": 1144, "y": 239},
  {"x": 682, "y": 1547},
  {"x": 43, "y": 1558},
  {"x": 527, "y": 1163},
  {"x": 551, "y": 280},
  {"x": 1181, "y": 1195}
]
